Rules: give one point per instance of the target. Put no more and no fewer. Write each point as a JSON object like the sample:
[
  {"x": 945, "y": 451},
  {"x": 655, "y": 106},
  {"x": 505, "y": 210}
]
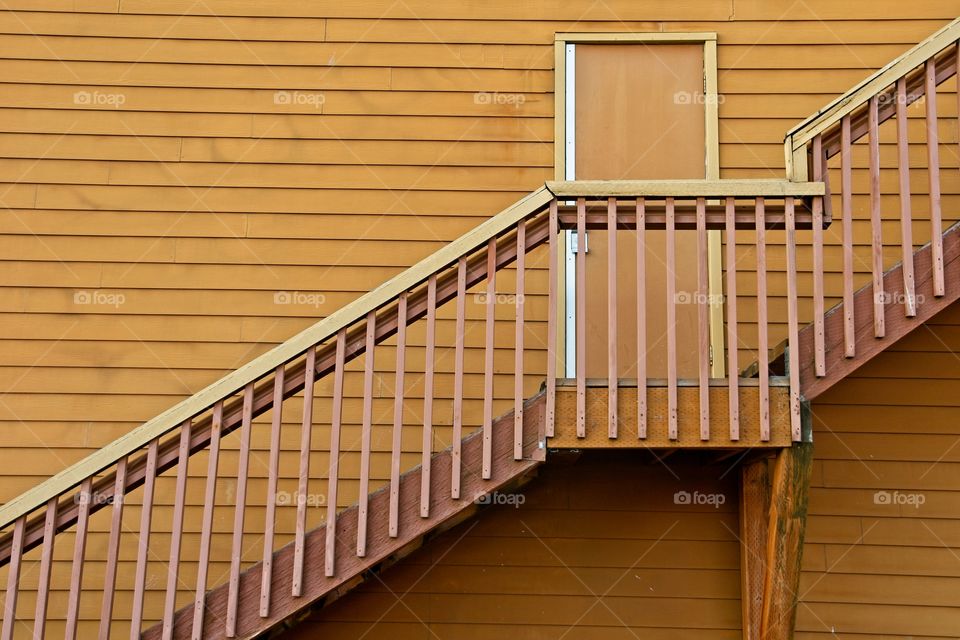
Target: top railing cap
[
  {"x": 685, "y": 188},
  {"x": 873, "y": 84}
]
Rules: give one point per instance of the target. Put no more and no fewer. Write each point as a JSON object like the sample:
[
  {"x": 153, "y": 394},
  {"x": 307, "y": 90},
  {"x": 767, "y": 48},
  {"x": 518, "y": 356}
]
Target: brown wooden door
[{"x": 639, "y": 115}]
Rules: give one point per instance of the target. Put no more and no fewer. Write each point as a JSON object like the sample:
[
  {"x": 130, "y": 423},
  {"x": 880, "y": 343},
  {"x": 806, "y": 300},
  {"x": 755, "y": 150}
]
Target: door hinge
[{"x": 586, "y": 242}]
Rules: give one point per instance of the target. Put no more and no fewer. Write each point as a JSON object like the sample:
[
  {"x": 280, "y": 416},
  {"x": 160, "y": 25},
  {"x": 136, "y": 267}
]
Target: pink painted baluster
[
  {"x": 79, "y": 551},
  {"x": 846, "y": 201},
  {"x": 612, "y": 366},
  {"x": 366, "y": 433},
  {"x": 518, "y": 343},
  {"x": 906, "y": 222},
  {"x": 239, "y": 510},
  {"x": 176, "y": 532},
  {"x": 551, "y": 408},
  {"x": 395, "y": 449},
  {"x": 733, "y": 337},
  {"x": 793, "y": 345},
  {"x": 457, "y": 436},
  {"x": 273, "y": 474},
  {"x": 427, "y": 443},
  {"x": 763, "y": 357},
  {"x": 113, "y": 548},
  {"x": 876, "y": 235},
  {"x": 13, "y": 580},
  {"x": 671, "y": 238},
  {"x": 819, "y": 334},
  {"x": 641, "y": 320},
  {"x": 490, "y": 300},
  {"x": 581, "y": 318},
  {"x": 306, "y": 431},
  {"x": 703, "y": 329},
  {"x": 333, "y": 473},
  {"x": 933, "y": 170},
  {"x": 143, "y": 541},
  {"x": 206, "y": 528},
  {"x": 46, "y": 565}
]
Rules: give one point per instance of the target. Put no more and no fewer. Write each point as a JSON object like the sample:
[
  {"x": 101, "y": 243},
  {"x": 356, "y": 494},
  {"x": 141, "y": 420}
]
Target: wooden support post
[
  {"x": 788, "y": 518},
  {"x": 754, "y": 509}
]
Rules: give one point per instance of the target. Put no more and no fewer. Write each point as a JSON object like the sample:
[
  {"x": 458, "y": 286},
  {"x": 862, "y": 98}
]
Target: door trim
[{"x": 711, "y": 159}]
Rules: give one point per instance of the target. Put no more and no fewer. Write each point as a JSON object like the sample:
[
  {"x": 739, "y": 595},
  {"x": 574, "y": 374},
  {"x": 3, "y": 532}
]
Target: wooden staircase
[{"x": 409, "y": 392}]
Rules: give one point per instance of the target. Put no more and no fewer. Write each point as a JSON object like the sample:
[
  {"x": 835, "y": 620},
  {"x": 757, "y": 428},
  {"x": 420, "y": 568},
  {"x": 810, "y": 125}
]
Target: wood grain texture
[{"x": 658, "y": 425}]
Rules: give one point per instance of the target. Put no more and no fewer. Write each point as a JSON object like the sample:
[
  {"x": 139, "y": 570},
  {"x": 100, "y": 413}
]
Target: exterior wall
[
  {"x": 144, "y": 242},
  {"x": 597, "y": 549},
  {"x": 874, "y": 568},
  {"x": 160, "y": 193}
]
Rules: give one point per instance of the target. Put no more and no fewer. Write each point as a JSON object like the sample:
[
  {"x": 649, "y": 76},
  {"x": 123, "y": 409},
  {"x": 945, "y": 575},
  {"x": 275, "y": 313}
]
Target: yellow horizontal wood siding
[
  {"x": 594, "y": 547},
  {"x": 165, "y": 176},
  {"x": 881, "y": 548}
]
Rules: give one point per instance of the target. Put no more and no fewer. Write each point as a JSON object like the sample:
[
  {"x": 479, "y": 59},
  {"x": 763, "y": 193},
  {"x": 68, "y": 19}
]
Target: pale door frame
[{"x": 711, "y": 159}]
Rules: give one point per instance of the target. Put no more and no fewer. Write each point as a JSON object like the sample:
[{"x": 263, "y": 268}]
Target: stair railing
[
  {"x": 144, "y": 527},
  {"x": 889, "y": 168}
]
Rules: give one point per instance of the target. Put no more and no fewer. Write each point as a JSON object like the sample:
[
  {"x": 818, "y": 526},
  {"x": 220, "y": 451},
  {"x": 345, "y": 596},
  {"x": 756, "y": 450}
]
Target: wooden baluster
[
  {"x": 518, "y": 343},
  {"x": 206, "y": 529},
  {"x": 239, "y": 510},
  {"x": 333, "y": 474},
  {"x": 490, "y": 317},
  {"x": 819, "y": 332},
  {"x": 793, "y": 345},
  {"x": 612, "y": 366},
  {"x": 552, "y": 311},
  {"x": 13, "y": 580},
  {"x": 906, "y": 214},
  {"x": 733, "y": 338},
  {"x": 763, "y": 357},
  {"x": 846, "y": 202},
  {"x": 306, "y": 431},
  {"x": 457, "y": 436},
  {"x": 176, "y": 531},
  {"x": 641, "y": 320},
  {"x": 876, "y": 235},
  {"x": 703, "y": 327},
  {"x": 273, "y": 475},
  {"x": 397, "y": 444},
  {"x": 581, "y": 317},
  {"x": 671, "y": 239},
  {"x": 46, "y": 565},
  {"x": 143, "y": 541},
  {"x": 427, "y": 443},
  {"x": 933, "y": 170},
  {"x": 366, "y": 431},
  {"x": 113, "y": 548},
  {"x": 79, "y": 552}
]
